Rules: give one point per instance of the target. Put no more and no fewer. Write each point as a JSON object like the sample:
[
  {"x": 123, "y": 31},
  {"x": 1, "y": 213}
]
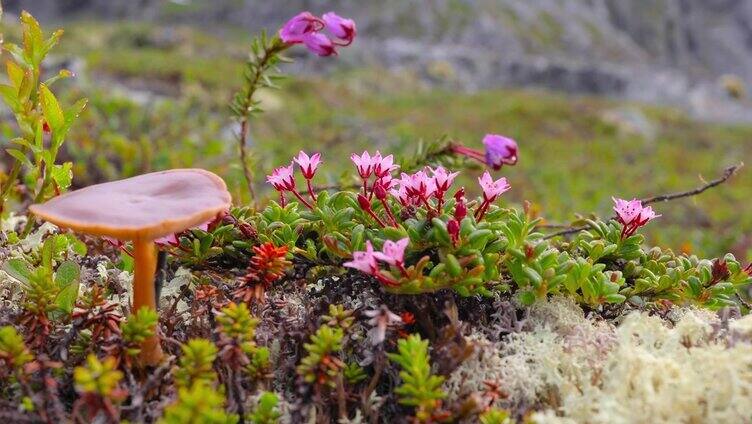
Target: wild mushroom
[{"x": 141, "y": 209}]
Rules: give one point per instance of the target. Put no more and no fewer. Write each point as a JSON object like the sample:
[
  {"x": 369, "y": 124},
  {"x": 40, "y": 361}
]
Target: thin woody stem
[{"x": 727, "y": 174}]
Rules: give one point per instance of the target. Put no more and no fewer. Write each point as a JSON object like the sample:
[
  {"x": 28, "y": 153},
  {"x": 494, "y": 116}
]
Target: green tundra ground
[{"x": 575, "y": 152}]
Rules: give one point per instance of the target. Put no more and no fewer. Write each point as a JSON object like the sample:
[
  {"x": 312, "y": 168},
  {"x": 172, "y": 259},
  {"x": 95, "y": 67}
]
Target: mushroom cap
[{"x": 144, "y": 207}]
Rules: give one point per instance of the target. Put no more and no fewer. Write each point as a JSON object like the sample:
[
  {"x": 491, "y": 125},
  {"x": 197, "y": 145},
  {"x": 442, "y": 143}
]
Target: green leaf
[
  {"x": 15, "y": 74},
  {"x": 67, "y": 273},
  {"x": 453, "y": 265},
  {"x": 74, "y": 111},
  {"x": 63, "y": 175},
  {"x": 10, "y": 97},
  {"x": 18, "y": 269},
  {"x": 53, "y": 114},
  {"x": 20, "y": 156},
  {"x": 32, "y": 36},
  {"x": 67, "y": 297},
  {"x": 48, "y": 252}
]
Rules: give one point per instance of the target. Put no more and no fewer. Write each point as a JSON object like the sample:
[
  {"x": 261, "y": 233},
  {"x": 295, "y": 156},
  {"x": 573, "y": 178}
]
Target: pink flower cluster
[
  {"x": 427, "y": 187},
  {"x": 380, "y": 168},
  {"x": 305, "y": 28},
  {"x": 632, "y": 215},
  {"x": 283, "y": 178},
  {"x": 393, "y": 253}
]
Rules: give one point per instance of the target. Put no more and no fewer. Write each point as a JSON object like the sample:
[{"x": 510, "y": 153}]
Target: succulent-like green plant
[
  {"x": 266, "y": 411},
  {"x": 37, "y": 112},
  {"x": 13, "y": 352},
  {"x": 196, "y": 404},
  {"x": 137, "y": 328},
  {"x": 420, "y": 388},
  {"x": 495, "y": 416},
  {"x": 321, "y": 364},
  {"x": 196, "y": 365}
]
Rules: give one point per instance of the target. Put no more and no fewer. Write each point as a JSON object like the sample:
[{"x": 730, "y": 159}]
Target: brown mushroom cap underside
[{"x": 144, "y": 207}]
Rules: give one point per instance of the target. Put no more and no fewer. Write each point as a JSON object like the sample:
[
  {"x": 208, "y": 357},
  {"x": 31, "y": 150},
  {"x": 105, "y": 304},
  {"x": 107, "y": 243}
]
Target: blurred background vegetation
[{"x": 159, "y": 89}]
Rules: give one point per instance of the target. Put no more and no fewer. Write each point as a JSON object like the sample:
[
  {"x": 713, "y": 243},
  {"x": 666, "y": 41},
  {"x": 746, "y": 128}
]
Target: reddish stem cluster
[{"x": 268, "y": 265}]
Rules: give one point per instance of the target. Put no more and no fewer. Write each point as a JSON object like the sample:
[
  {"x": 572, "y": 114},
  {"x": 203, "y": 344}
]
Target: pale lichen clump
[
  {"x": 689, "y": 367},
  {"x": 558, "y": 350},
  {"x": 661, "y": 373}
]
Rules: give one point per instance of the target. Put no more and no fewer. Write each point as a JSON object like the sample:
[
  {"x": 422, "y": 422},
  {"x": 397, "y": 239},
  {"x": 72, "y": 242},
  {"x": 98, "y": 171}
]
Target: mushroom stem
[{"x": 144, "y": 294}]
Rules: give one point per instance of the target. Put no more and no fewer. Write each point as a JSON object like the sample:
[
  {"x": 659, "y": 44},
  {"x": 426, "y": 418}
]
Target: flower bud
[
  {"x": 379, "y": 191},
  {"x": 460, "y": 211},
  {"x": 364, "y": 203},
  {"x": 453, "y": 228}
]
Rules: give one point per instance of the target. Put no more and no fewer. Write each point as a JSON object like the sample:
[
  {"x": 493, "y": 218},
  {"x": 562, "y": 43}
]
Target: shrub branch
[{"x": 727, "y": 174}]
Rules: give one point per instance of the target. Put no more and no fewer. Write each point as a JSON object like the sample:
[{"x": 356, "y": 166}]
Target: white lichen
[{"x": 646, "y": 369}]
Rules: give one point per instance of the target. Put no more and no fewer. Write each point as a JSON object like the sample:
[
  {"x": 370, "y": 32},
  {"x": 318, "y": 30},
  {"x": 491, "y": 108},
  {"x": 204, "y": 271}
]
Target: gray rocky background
[{"x": 696, "y": 54}]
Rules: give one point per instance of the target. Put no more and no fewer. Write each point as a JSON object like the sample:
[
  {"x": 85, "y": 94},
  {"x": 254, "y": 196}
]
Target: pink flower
[
  {"x": 632, "y": 215},
  {"x": 168, "y": 240},
  {"x": 500, "y": 150},
  {"x": 282, "y": 178},
  {"x": 383, "y": 166},
  {"x": 342, "y": 28},
  {"x": 364, "y": 261},
  {"x": 308, "y": 165},
  {"x": 401, "y": 194},
  {"x": 364, "y": 163},
  {"x": 393, "y": 252},
  {"x": 492, "y": 189},
  {"x": 627, "y": 211},
  {"x": 172, "y": 239},
  {"x": 319, "y": 44},
  {"x": 418, "y": 184},
  {"x": 443, "y": 179},
  {"x": 300, "y": 25}
]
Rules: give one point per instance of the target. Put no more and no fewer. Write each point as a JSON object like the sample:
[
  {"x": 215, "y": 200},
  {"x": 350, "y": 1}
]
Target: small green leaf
[
  {"x": 67, "y": 273},
  {"x": 20, "y": 156},
  {"x": 63, "y": 175},
  {"x": 453, "y": 265},
  {"x": 67, "y": 297},
  {"x": 18, "y": 269},
  {"x": 53, "y": 114}
]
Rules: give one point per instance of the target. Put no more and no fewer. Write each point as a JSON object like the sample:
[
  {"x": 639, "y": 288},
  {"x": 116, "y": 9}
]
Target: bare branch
[{"x": 727, "y": 173}]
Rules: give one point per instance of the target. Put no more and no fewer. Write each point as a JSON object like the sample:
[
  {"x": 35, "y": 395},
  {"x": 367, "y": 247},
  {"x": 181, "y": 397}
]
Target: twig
[
  {"x": 727, "y": 173},
  {"x": 258, "y": 65},
  {"x": 743, "y": 302}
]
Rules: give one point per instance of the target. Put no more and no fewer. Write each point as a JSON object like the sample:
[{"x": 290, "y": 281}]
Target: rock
[{"x": 667, "y": 52}]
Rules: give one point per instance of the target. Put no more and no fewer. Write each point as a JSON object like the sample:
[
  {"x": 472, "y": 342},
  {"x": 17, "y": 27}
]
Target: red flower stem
[
  {"x": 374, "y": 216},
  {"x": 384, "y": 280},
  {"x": 365, "y": 186},
  {"x": 389, "y": 212},
  {"x": 471, "y": 153},
  {"x": 304, "y": 201},
  {"x": 402, "y": 269},
  {"x": 481, "y": 211},
  {"x": 282, "y": 199},
  {"x": 440, "y": 198},
  {"x": 310, "y": 190}
]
